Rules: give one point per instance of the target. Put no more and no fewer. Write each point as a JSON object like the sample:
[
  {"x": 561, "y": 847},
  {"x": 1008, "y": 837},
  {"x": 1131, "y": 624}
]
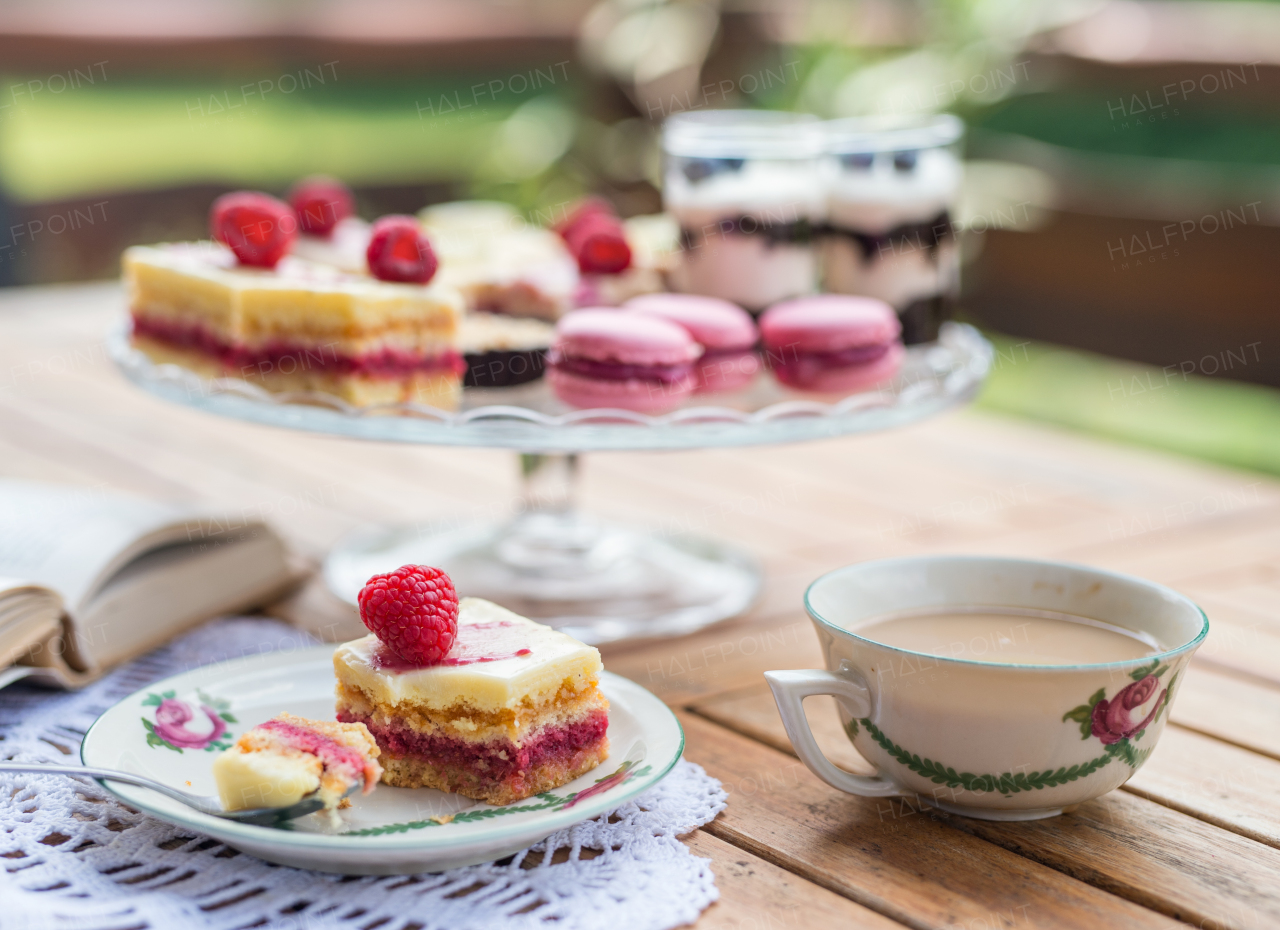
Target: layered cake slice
[
  {"x": 511, "y": 709},
  {"x": 503, "y": 351},
  {"x": 499, "y": 262},
  {"x": 297, "y": 326},
  {"x": 279, "y": 762}
]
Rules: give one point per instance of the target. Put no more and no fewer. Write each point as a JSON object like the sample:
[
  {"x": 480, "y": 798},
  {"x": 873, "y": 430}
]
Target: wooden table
[{"x": 1193, "y": 837}]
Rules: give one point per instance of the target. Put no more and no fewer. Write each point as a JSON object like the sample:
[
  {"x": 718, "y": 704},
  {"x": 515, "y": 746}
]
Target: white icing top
[
  {"x": 488, "y": 332},
  {"x": 216, "y": 264},
  {"x": 791, "y": 188},
  {"x": 882, "y": 196},
  {"x": 484, "y": 630},
  {"x": 345, "y": 249}
]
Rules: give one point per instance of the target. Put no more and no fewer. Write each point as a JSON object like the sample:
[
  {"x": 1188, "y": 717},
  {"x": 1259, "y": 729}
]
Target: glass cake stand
[{"x": 597, "y": 581}]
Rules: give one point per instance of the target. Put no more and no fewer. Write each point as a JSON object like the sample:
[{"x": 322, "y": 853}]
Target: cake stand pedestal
[{"x": 549, "y": 561}]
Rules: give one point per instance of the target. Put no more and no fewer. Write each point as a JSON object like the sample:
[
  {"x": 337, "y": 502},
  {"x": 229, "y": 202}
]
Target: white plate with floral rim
[{"x": 172, "y": 730}]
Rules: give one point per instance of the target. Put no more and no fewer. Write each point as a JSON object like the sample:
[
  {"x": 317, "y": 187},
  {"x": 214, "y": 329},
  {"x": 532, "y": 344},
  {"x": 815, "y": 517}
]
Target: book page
[
  {"x": 70, "y": 538},
  {"x": 111, "y": 557}
]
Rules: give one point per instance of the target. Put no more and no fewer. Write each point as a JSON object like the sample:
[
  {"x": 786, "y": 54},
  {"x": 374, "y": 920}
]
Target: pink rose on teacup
[
  {"x": 1113, "y": 719},
  {"x": 172, "y": 717}
]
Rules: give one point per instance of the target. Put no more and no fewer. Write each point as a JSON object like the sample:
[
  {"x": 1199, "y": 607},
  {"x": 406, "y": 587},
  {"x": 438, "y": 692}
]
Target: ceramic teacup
[{"x": 985, "y": 739}]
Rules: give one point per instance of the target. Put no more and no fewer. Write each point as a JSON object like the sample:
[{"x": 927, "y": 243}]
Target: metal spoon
[{"x": 205, "y": 804}]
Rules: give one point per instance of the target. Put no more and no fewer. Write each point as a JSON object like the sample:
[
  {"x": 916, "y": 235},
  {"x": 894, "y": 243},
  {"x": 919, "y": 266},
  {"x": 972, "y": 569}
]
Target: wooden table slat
[
  {"x": 757, "y": 895},
  {"x": 899, "y": 861}
]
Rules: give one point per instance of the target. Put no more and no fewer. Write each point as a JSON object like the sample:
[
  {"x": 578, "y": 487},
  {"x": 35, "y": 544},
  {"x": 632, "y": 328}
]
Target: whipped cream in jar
[
  {"x": 891, "y": 193},
  {"x": 746, "y": 188}
]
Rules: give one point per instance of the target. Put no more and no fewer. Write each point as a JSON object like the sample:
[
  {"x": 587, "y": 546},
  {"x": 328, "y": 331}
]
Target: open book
[{"x": 90, "y": 578}]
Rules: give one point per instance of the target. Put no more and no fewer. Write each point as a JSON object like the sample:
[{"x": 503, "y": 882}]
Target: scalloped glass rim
[{"x": 936, "y": 377}]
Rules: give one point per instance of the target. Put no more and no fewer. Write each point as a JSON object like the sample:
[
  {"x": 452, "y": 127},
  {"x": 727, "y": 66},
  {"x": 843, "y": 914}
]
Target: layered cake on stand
[
  {"x": 500, "y": 263},
  {"x": 298, "y": 326},
  {"x": 244, "y": 307},
  {"x": 466, "y": 696}
]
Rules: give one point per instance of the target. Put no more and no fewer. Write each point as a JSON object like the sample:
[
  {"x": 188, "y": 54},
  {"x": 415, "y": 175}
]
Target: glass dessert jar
[
  {"x": 892, "y": 184},
  {"x": 746, "y": 187}
]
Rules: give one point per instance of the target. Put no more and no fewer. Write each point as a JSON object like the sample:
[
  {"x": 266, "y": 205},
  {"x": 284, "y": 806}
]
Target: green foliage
[
  {"x": 1213, "y": 419},
  {"x": 1155, "y": 668},
  {"x": 155, "y": 740},
  {"x": 1083, "y": 714},
  {"x": 1007, "y": 783},
  {"x": 155, "y": 700},
  {"x": 475, "y": 816},
  {"x": 547, "y": 800}
]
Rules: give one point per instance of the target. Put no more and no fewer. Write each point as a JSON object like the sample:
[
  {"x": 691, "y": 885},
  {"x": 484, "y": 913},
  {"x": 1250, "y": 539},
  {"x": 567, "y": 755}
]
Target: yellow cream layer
[
  {"x": 555, "y": 661},
  {"x": 463, "y": 722},
  {"x": 297, "y": 299}
]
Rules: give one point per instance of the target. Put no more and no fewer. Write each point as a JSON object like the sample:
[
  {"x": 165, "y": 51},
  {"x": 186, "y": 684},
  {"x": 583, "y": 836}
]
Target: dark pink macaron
[
  {"x": 725, "y": 330},
  {"x": 604, "y": 357},
  {"x": 832, "y": 342}
]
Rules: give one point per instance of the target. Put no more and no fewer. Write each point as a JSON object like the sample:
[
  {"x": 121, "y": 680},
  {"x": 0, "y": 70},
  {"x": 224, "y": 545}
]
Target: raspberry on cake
[
  {"x": 320, "y": 203},
  {"x": 299, "y": 326},
  {"x": 512, "y": 710},
  {"x": 279, "y": 762}
]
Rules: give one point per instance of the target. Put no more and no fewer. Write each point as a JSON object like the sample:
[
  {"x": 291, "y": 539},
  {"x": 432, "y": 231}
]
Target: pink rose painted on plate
[
  {"x": 173, "y": 725},
  {"x": 172, "y": 718},
  {"x": 1112, "y": 720}
]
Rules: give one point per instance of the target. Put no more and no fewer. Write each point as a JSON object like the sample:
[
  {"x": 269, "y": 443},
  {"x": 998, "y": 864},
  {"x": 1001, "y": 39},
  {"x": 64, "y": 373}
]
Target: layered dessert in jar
[
  {"x": 893, "y": 185},
  {"x": 745, "y": 187},
  {"x": 466, "y": 696}
]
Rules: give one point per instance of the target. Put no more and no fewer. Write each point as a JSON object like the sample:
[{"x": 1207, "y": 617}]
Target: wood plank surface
[
  {"x": 1154, "y": 856},
  {"x": 900, "y": 861},
  {"x": 757, "y": 895}
]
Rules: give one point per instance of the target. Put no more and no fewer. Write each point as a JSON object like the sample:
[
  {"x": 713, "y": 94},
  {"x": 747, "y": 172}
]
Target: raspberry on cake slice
[
  {"x": 279, "y": 762},
  {"x": 468, "y": 697}
]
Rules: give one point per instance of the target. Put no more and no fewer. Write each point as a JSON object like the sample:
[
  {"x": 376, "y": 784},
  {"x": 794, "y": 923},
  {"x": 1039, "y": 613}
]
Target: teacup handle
[{"x": 790, "y": 688}]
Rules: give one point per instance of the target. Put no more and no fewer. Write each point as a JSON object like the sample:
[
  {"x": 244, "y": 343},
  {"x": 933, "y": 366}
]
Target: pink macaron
[
  {"x": 605, "y": 357},
  {"x": 832, "y": 342},
  {"x": 725, "y": 330}
]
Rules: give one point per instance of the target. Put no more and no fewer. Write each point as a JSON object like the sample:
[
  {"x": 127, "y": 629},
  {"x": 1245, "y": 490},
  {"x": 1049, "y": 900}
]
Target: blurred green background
[{"x": 1093, "y": 127}]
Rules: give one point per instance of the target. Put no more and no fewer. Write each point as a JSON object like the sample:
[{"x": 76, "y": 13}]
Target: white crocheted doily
[{"x": 73, "y": 858}]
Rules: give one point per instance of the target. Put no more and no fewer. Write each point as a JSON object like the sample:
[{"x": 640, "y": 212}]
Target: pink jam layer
[
  {"x": 332, "y": 754},
  {"x": 616, "y": 371},
  {"x": 476, "y": 642},
  {"x": 495, "y": 761},
  {"x": 279, "y": 356}
]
